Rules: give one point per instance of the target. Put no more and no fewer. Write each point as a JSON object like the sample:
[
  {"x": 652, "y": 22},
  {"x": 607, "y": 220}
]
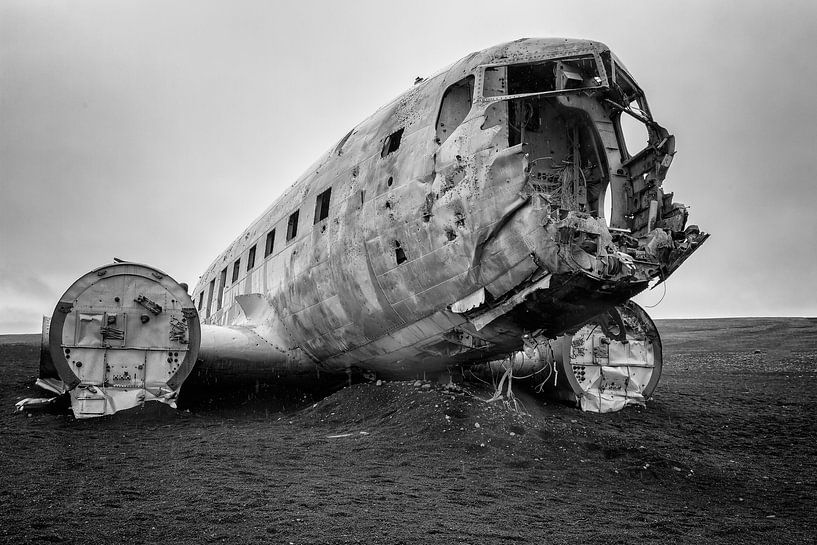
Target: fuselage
[{"x": 465, "y": 214}]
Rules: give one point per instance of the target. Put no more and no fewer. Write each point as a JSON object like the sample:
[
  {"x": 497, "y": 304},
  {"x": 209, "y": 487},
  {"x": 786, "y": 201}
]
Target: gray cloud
[
  {"x": 23, "y": 282},
  {"x": 160, "y": 138}
]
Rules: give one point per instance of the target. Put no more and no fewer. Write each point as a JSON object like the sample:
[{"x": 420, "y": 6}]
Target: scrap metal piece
[
  {"x": 178, "y": 330},
  {"x": 34, "y": 403},
  {"x": 51, "y": 385},
  {"x": 148, "y": 304}
]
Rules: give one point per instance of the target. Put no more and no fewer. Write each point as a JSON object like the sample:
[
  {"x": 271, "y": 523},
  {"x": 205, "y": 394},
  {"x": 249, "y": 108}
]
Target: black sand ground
[{"x": 724, "y": 453}]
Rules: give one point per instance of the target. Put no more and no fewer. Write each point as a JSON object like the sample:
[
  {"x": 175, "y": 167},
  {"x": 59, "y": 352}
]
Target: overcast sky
[{"x": 156, "y": 131}]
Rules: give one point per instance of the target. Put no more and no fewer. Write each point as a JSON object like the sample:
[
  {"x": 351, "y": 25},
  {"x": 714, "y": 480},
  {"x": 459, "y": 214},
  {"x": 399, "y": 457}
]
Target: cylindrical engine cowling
[
  {"x": 121, "y": 335},
  {"x": 239, "y": 353},
  {"x": 612, "y": 361},
  {"x": 604, "y": 368}
]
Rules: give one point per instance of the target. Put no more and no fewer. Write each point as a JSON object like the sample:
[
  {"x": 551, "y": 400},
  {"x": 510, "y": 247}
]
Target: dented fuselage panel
[{"x": 493, "y": 199}]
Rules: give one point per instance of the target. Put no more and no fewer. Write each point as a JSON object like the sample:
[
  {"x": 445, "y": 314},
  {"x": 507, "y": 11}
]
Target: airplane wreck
[{"x": 493, "y": 212}]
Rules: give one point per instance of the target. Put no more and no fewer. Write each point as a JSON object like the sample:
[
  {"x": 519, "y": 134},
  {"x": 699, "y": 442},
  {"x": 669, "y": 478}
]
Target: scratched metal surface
[{"x": 413, "y": 231}]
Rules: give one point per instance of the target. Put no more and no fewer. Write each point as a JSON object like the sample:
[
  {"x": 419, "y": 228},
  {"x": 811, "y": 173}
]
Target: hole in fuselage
[
  {"x": 399, "y": 254},
  {"x": 392, "y": 143},
  {"x": 567, "y": 160}
]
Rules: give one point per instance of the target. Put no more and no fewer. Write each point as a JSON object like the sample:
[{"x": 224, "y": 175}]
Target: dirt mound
[
  {"x": 421, "y": 410},
  {"x": 427, "y": 415}
]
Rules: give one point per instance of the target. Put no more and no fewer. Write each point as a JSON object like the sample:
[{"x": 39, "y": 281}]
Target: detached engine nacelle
[
  {"x": 612, "y": 361},
  {"x": 121, "y": 335}
]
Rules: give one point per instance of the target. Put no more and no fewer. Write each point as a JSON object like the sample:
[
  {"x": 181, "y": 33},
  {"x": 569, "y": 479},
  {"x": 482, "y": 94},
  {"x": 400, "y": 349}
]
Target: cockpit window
[
  {"x": 541, "y": 77},
  {"x": 455, "y": 106},
  {"x": 633, "y": 116},
  {"x": 635, "y": 133}
]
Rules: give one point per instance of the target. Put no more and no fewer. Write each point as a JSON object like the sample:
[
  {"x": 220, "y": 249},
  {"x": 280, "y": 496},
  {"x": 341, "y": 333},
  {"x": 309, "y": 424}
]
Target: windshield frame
[{"x": 601, "y": 74}]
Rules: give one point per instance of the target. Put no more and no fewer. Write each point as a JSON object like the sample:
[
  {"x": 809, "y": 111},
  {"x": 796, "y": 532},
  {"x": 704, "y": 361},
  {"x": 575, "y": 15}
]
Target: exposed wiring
[
  {"x": 479, "y": 379},
  {"x": 664, "y": 282}
]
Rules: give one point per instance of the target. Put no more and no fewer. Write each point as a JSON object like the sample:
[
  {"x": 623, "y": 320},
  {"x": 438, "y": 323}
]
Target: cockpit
[{"x": 591, "y": 140}]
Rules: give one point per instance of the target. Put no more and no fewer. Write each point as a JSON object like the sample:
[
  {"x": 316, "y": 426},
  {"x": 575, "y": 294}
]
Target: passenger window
[
  {"x": 251, "y": 259},
  {"x": 221, "y": 284},
  {"x": 270, "y": 243},
  {"x": 399, "y": 253},
  {"x": 455, "y": 106},
  {"x": 322, "y": 205},
  {"x": 210, "y": 296},
  {"x": 392, "y": 143},
  {"x": 201, "y": 299},
  {"x": 236, "y": 270},
  {"x": 292, "y": 226}
]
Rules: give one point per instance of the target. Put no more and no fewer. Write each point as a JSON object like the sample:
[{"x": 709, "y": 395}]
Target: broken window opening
[
  {"x": 390, "y": 181},
  {"x": 551, "y": 76},
  {"x": 236, "y": 270},
  {"x": 450, "y": 234},
  {"x": 399, "y": 254},
  {"x": 270, "y": 243},
  {"x": 210, "y": 296},
  {"x": 362, "y": 197},
  {"x": 221, "y": 285},
  {"x": 251, "y": 259},
  {"x": 292, "y": 225},
  {"x": 456, "y": 104},
  {"x": 322, "y": 205},
  {"x": 627, "y": 89},
  {"x": 392, "y": 142},
  {"x": 635, "y": 134}
]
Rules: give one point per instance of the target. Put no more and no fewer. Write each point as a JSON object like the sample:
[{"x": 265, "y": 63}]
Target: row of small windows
[
  {"x": 321, "y": 213},
  {"x": 455, "y": 105}
]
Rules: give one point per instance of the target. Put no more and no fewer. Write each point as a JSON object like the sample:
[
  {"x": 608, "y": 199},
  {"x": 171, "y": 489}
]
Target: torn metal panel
[
  {"x": 469, "y": 302},
  {"x": 613, "y": 389},
  {"x": 89, "y": 401},
  {"x": 481, "y": 319}
]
